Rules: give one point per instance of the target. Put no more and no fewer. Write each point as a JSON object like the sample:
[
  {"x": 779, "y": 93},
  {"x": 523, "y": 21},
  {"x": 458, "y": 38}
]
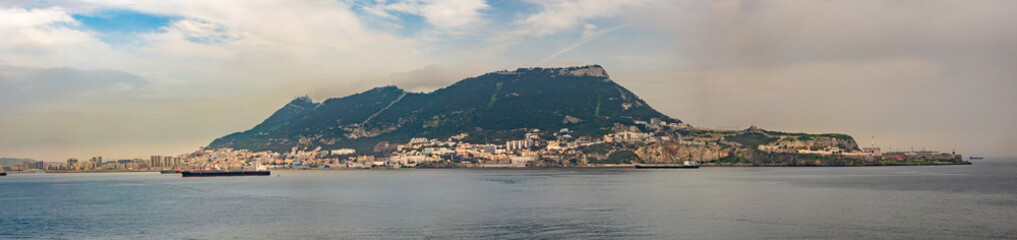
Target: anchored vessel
[
  {"x": 3, "y": 174},
  {"x": 169, "y": 171},
  {"x": 975, "y": 158},
  {"x": 224, "y": 173}
]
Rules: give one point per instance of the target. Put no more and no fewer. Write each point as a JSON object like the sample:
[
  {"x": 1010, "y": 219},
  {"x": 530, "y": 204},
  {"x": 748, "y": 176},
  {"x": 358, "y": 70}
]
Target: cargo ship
[
  {"x": 224, "y": 173},
  {"x": 169, "y": 171},
  {"x": 666, "y": 166},
  {"x": 3, "y": 174},
  {"x": 975, "y": 158}
]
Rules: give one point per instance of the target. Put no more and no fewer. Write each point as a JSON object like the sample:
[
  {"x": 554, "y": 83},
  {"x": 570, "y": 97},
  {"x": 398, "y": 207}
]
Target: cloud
[
  {"x": 40, "y": 93},
  {"x": 761, "y": 33},
  {"x": 213, "y": 59},
  {"x": 425, "y": 79},
  {"x": 558, "y": 15},
  {"x": 219, "y": 44},
  {"x": 198, "y": 31},
  {"x": 590, "y": 33},
  {"x": 21, "y": 19},
  {"x": 40, "y": 36},
  {"x": 440, "y": 13},
  {"x": 34, "y": 85}
]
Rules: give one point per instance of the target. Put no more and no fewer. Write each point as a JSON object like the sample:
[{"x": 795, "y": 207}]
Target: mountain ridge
[{"x": 489, "y": 107}]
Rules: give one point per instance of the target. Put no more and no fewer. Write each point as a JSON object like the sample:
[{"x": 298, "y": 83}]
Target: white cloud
[
  {"x": 444, "y": 14},
  {"x": 17, "y": 18},
  {"x": 252, "y": 46},
  {"x": 204, "y": 32},
  {"x": 589, "y": 34},
  {"x": 560, "y": 15},
  {"x": 44, "y": 37}
]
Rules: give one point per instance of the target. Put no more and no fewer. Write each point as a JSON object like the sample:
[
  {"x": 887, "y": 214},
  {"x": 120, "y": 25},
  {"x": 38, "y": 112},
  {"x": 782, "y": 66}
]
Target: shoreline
[
  {"x": 524, "y": 167},
  {"x": 94, "y": 171}
]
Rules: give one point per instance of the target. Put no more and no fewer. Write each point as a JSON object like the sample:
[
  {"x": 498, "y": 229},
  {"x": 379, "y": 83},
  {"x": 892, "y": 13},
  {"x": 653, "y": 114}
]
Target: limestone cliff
[{"x": 669, "y": 152}]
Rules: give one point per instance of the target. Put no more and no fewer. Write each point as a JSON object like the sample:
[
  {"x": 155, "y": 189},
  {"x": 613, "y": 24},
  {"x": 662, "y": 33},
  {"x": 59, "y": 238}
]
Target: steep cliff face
[{"x": 669, "y": 152}]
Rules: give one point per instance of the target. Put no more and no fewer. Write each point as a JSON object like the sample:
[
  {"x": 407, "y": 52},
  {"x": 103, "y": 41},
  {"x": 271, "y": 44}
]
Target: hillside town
[{"x": 647, "y": 142}]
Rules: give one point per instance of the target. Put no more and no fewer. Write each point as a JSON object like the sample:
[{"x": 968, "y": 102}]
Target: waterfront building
[
  {"x": 873, "y": 150},
  {"x": 71, "y": 163},
  {"x": 521, "y": 159},
  {"x": 365, "y": 158},
  {"x": 33, "y": 165},
  {"x": 519, "y": 144},
  {"x": 155, "y": 161}
]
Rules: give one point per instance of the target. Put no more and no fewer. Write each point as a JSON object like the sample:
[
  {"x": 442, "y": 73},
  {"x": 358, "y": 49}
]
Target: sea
[{"x": 976, "y": 201}]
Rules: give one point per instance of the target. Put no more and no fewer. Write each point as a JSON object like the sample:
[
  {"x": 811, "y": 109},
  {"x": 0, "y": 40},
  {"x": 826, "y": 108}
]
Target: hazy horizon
[{"x": 138, "y": 78}]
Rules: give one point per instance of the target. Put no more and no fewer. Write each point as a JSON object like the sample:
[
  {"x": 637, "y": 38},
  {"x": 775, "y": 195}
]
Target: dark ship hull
[
  {"x": 169, "y": 171},
  {"x": 224, "y": 173},
  {"x": 3, "y": 174},
  {"x": 667, "y": 166}
]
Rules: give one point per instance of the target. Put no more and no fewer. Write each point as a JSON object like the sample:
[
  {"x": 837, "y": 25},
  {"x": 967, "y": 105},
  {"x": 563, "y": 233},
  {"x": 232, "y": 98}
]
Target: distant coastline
[
  {"x": 509, "y": 166},
  {"x": 101, "y": 171}
]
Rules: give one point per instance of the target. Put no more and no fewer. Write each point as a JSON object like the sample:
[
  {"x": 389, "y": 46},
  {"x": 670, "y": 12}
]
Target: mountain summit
[{"x": 492, "y": 107}]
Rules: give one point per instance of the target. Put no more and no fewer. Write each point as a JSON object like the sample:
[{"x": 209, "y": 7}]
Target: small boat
[
  {"x": 169, "y": 171},
  {"x": 3, "y": 174},
  {"x": 224, "y": 173},
  {"x": 975, "y": 158}
]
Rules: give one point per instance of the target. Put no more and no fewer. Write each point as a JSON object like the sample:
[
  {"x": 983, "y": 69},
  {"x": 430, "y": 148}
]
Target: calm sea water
[{"x": 960, "y": 202}]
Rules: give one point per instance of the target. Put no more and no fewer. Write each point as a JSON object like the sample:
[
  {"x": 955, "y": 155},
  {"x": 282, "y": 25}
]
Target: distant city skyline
[{"x": 140, "y": 78}]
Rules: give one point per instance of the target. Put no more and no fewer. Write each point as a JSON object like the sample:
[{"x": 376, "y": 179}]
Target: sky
[{"x": 125, "y": 79}]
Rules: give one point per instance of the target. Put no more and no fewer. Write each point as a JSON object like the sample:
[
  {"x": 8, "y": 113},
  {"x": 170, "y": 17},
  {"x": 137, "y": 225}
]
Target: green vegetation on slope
[
  {"x": 494, "y": 96},
  {"x": 750, "y": 139},
  {"x": 621, "y": 157}
]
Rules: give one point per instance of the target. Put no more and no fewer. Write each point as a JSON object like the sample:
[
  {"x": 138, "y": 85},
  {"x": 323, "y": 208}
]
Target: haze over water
[{"x": 960, "y": 202}]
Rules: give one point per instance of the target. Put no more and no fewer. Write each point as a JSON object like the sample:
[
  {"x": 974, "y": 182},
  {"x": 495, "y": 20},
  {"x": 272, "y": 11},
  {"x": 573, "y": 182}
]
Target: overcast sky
[{"x": 124, "y": 79}]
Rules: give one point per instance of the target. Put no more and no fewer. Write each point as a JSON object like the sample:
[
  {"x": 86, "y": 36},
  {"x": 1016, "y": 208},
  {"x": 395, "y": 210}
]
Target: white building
[
  {"x": 521, "y": 160},
  {"x": 519, "y": 144},
  {"x": 419, "y": 141},
  {"x": 343, "y": 151}
]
